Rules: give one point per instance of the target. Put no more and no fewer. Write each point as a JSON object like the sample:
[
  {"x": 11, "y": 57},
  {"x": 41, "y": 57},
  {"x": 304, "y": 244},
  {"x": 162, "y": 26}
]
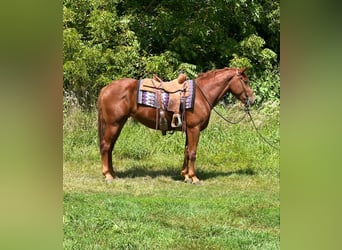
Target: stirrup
[{"x": 176, "y": 121}]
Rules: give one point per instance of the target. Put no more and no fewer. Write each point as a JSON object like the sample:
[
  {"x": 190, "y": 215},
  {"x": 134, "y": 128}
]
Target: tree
[
  {"x": 106, "y": 40},
  {"x": 98, "y": 47}
]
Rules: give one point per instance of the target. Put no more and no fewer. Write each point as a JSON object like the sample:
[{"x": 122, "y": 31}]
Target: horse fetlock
[{"x": 184, "y": 172}]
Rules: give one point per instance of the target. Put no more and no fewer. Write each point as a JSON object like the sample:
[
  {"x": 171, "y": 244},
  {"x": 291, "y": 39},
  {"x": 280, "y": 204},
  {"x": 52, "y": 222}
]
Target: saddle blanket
[{"x": 150, "y": 99}]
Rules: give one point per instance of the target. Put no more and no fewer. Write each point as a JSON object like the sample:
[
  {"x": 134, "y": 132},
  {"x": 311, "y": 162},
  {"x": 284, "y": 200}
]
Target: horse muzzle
[{"x": 250, "y": 100}]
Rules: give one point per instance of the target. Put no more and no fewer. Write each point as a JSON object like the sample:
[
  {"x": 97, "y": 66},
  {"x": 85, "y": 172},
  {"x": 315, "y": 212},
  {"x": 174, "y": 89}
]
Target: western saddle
[{"x": 177, "y": 89}]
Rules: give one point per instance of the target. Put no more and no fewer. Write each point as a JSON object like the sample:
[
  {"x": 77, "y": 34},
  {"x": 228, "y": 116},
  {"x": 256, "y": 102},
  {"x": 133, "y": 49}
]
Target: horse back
[
  {"x": 118, "y": 97},
  {"x": 118, "y": 90}
]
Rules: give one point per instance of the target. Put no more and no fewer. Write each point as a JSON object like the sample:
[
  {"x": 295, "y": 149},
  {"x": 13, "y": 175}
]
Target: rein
[
  {"x": 247, "y": 112},
  {"x": 257, "y": 130}
]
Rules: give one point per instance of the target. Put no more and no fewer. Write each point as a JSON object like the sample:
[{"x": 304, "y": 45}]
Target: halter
[{"x": 248, "y": 104}]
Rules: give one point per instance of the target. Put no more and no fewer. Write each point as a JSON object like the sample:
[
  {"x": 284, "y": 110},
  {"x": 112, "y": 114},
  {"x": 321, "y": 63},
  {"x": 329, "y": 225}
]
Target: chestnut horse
[{"x": 118, "y": 101}]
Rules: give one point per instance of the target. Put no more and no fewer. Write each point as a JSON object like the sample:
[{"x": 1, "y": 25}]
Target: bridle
[
  {"x": 247, "y": 109},
  {"x": 243, "y": 84},
  {"x": 247, "y": 105}
]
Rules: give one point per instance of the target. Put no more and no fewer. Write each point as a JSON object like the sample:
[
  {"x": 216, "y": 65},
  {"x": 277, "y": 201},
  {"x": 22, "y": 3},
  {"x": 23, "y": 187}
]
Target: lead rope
[
  {"x": 257, "y": 130},
  {"x": 247, "y": 111},
  {"x": 225, "y": 119}
]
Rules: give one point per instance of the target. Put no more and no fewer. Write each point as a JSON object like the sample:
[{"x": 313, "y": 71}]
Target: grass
[{"x": 149, "y": 206}]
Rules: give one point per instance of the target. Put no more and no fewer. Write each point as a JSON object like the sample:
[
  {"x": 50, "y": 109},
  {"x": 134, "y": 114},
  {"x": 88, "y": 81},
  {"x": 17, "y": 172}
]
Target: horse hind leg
[{"x": 107, "y": 142}]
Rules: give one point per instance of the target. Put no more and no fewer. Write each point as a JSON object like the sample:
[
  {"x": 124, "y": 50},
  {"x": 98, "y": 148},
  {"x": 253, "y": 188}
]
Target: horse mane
[
  {"x": 213, "y": 72},
  {"x": 210, "y": 73}
]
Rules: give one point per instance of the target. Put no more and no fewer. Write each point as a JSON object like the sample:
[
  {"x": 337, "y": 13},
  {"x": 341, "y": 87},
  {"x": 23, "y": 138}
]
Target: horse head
[{"x": 240, "y": 87}]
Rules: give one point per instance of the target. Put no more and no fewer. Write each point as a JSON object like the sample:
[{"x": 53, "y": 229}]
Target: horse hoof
[
  {"x": 188, "y": 180},
  {"x": 196, "y": 181},
  {"x": 109, "y": 177},
  {"x": 109, "y": 180}
]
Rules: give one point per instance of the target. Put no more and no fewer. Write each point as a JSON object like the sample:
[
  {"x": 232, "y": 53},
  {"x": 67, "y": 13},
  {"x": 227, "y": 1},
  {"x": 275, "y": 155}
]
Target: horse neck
[{"x": 216, "y": 87}]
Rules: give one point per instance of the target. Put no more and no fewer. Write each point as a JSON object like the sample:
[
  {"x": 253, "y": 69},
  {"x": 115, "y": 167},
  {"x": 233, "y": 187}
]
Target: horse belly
[{"x": 146, "y": 116}]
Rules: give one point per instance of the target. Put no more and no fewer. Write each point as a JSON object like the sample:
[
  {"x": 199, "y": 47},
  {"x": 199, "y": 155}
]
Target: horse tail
[{"x": 100, "y": 121}]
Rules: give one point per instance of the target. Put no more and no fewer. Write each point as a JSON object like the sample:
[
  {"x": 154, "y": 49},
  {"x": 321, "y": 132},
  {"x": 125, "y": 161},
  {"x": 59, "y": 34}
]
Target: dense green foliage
[
  {"x": 105, "y": 40},
  {"x": 149, "y": 207}
]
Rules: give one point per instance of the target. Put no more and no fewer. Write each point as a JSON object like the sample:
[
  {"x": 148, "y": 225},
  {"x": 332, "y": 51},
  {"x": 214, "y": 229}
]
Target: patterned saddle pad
[{"x": 150, "y": 98}]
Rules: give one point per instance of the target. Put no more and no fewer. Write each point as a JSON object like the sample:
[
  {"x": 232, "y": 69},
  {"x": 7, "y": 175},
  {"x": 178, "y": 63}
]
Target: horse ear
[{"x": 243, "y": 70}]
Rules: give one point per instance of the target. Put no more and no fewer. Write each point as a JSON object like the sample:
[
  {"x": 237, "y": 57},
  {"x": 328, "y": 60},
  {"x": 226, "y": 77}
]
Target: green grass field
[{"x": 150, "y": 207}]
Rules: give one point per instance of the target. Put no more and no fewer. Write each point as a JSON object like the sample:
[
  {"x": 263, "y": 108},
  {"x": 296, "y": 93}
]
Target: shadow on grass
[{"x": 174, "y": 173}]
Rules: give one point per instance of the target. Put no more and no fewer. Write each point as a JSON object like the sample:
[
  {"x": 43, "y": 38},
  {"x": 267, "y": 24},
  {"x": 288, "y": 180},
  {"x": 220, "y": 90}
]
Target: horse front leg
[
  {"x": 184, "y": 171},
  {"x": 192, "y": 139}
]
